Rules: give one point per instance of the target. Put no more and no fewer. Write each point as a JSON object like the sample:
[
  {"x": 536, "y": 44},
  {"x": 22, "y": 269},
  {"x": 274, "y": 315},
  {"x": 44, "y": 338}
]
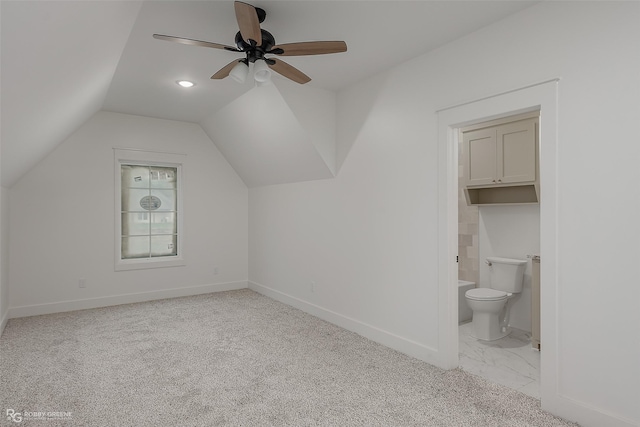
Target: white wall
[
  {"x": 281, "y": 146},
  {"x": 511, "y": 232},
  {"x": 4, "y": 257},
  {"x": 62, "y": 220},
  {"x": 368, "y": 239}
]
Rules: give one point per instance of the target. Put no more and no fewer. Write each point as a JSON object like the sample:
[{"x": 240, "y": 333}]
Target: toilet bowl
[
  {"x": 489, "y": 309},
  {"x": 491, "y": 306}
]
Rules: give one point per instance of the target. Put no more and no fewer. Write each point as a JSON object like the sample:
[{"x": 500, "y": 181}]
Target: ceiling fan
[{"x": 255, "y": 43}]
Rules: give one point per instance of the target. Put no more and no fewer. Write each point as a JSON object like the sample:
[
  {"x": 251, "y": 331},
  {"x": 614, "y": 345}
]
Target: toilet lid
[{"x": 485, "y": 294}]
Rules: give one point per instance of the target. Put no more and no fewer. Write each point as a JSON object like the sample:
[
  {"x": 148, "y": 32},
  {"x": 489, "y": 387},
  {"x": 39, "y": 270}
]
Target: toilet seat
[{"x": 486, "y": 294}]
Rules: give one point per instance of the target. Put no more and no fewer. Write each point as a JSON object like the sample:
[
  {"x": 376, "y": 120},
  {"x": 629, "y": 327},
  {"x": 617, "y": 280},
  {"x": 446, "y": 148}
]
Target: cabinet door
[
  {"x": 480, "y": 156},
  {"x": 516, "y": 152}
]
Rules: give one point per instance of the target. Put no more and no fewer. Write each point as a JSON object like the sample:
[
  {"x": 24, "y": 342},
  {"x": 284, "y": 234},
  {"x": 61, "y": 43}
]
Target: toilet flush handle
[{"x": 488, "y": 263}]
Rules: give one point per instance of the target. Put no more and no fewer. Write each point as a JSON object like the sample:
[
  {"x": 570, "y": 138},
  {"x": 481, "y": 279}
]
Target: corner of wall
[
  {"x": 3, "y": 322},
  {"x": 353, "y": 110},
  {"x": 278, "y": 147},
  {"x": 315, "y": 110}
]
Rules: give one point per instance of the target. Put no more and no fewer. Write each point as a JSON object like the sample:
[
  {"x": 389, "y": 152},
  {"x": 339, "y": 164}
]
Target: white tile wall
[{"x": 468, "y": 265}]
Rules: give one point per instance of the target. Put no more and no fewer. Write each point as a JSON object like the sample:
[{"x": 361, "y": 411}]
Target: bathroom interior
[{"x": 503, "y": 230}]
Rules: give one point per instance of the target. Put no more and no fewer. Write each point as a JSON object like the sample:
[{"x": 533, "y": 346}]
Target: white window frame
[{"x": 124, "y": 156}]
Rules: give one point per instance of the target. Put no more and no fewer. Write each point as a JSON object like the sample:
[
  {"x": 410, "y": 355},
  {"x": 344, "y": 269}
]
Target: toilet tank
[{"x": 506, "y": 274}]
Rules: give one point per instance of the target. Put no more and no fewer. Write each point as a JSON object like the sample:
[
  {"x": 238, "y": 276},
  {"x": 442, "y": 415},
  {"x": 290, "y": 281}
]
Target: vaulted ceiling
[{"x": 62, "y": 61}]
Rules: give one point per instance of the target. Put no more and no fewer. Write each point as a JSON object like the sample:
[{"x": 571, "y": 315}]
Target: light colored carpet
[{"x": 233, "y": 359}]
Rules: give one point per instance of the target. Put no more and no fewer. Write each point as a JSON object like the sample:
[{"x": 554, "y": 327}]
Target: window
[{"x": 148, "y": 210}]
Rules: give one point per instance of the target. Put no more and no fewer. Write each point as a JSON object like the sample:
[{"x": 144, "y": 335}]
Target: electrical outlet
[
  {"x": 312, "y": 286},
  {"x": 82, "y": 283}
]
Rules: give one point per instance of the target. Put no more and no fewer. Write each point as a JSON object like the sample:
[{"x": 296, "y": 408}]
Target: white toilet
[{"x": 491, "y": 306}]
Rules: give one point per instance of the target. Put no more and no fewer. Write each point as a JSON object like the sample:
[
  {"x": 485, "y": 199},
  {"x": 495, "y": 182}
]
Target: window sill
[{"x": 146, "y": 263}]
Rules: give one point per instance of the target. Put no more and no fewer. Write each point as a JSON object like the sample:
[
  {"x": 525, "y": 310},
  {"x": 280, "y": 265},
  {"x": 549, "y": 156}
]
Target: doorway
[
  {"x": 540, "y": 96},
  {"x": 501, "y": 228}
]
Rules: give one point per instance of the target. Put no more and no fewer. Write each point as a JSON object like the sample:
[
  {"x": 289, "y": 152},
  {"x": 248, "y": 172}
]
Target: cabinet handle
[
  {"x": 493, "y": 180},
  {"x": 499, "y": 180}
]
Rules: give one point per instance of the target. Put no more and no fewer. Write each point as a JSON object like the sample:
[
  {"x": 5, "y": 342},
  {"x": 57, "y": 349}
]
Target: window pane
[
  {"x": 164, "y": 246},
  {"x": 163, "y": 177},
  {"x": 135, "y": 223},
  {"x": 135, "y": 176},
  {"x": 135, "y": 247},
  {"x": 132, "y": 198},
  {"x": 149, "y": 219},
  {"x": 163, "y": 223},
  {"x": 167, "y": 199}
]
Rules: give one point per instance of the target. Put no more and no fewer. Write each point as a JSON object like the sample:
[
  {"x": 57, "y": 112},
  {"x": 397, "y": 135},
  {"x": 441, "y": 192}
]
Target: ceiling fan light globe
[
  {"x": 262, "y": 73},
  {"x": 239, "y": 72}
]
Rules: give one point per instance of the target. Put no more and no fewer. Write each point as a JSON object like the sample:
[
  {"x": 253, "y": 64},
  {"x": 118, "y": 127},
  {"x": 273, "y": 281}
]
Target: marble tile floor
[{"x": 509, "y": 361}]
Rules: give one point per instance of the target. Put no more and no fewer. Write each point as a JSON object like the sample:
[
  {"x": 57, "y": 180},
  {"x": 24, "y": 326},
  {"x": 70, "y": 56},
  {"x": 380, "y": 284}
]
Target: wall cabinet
[{"x": 500, "y": 161}]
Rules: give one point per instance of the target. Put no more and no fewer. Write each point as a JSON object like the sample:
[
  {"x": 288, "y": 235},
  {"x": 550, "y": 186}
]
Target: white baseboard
[
  {"x": 83, "y": 304},
  {"x": 584, "y": 414},
  {"x": 388, "y": 339}
]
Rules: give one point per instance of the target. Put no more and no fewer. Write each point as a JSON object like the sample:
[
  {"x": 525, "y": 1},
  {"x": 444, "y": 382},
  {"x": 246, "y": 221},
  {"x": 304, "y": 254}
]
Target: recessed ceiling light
[{"x": 185, "y": 83}]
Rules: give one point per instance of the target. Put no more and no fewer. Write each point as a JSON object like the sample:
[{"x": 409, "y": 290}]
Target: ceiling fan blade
[
  {"x": 194, "y": 42},
  {"x": 310, "y": 48},
  {"x": 248, "y": 22},
  {"x": 288, "y": 71},
  {"x": 224, "y": 71}
]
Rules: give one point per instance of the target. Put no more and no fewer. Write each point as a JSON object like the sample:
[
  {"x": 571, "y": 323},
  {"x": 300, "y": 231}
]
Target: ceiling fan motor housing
[{"x": 256, "y": 52}]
